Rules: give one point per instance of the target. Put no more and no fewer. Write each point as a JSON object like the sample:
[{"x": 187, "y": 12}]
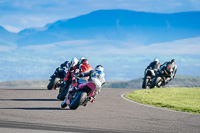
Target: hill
[
  {"x": 123, "y": 25},
  {"x": 178, "y": 81},
  {"x": 120, "y": 40}
]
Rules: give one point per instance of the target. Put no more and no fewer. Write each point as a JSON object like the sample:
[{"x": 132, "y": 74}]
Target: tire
[
  {"x": 63, "y": 92},
  {"x": 79, "y": 100},
  {"x": 52, "y": 83},
  {"x": 158, "y": 80},
  {"x": 155, "y": 82},
  {"x": 145, "y": 82}
]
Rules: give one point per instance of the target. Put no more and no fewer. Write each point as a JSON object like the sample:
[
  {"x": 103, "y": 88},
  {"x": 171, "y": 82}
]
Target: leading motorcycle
[{"x": 81, "y": 94}]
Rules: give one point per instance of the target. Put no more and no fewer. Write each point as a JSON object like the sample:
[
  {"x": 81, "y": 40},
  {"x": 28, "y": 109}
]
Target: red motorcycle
[{"x": 80, "y": 94}]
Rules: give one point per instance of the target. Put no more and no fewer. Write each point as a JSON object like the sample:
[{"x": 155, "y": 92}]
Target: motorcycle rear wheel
[{"x": 156, "y": 82}]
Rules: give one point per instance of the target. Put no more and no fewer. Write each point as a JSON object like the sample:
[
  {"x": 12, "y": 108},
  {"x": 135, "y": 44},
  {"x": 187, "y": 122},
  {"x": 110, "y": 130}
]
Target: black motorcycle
[
  {"x": 58, "y": 75},
  {"x": 148, "y": 78},
  {"x": 64, "y": 89},
  {"x": 162, "y": 76}
]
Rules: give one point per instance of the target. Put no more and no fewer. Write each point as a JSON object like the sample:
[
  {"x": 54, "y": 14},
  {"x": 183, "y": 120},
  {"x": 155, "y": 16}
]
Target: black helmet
[{"x": 173, "y": 60}]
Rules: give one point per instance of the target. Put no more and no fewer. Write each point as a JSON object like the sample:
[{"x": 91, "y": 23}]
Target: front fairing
[{"x": 89, "y": 85}]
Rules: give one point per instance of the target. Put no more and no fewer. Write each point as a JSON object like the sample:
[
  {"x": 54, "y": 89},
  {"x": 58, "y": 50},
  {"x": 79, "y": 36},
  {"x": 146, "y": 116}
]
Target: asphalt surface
[{"x": 30, "y": 110}]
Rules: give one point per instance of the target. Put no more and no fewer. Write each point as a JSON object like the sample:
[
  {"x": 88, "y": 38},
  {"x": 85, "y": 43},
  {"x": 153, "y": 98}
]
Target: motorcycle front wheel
[
  {"x": 79, "y": 100},
  {"x": 145, "y": 82},
  {"x": 156, "y": 82},
  {"x": 63, "y": 92},
  {"x": 52, "y": 83}
]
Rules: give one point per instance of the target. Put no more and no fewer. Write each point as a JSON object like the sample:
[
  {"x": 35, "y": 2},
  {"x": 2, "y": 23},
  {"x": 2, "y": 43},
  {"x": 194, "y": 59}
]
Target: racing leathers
[
  {"x": 61, "y": 71},
  {"x": 153, "y": 67},
  {"x": 171, "y": 68},
  {"x": 82, "y": 68},
  {"x": 97, "y": 77}
]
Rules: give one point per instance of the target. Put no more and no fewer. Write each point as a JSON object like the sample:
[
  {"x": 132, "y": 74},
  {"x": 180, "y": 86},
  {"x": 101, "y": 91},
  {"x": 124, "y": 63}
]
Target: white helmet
[
  {"x": 74, "y": 61},
  {"x": 156, "y": 60},
  {"x": 99, "y": 68}
]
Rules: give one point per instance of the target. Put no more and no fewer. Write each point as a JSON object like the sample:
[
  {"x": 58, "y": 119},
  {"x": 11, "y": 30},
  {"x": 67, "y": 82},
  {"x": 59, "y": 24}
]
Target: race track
[{"x": 37, "y": 110}]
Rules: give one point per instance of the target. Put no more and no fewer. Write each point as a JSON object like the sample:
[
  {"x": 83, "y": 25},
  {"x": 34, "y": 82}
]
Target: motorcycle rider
[
  {"x": 153, "y": 66},
  {"x": 69, "y": 65},
  {"x": 172, "y": 70},
  {"x": 97, "y": 76},
  {"x": 83, "y": 66},
  {"x": 80, "y": 67},
  {"x": 62, "y": 69}
]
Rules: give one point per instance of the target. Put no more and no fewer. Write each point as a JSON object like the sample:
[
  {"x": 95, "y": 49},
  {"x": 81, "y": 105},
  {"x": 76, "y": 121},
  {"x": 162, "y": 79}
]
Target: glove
[
  {"x": 71, "y": 68},
  {"x": 62, "y": 83}
]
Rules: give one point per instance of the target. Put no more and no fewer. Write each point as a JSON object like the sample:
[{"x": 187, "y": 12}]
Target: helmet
[
  {"x": 156, "y": 60},
  {"x": 84, "y": 61},
  {"x": 173, "y": 60},
  {"x": 80, "y": 60},
  {"x": 99, "y": 69},
  {"x": 74, "y": 61}
]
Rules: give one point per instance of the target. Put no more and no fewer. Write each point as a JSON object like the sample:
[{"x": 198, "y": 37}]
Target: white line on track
[{"x": 123, "y": 96}]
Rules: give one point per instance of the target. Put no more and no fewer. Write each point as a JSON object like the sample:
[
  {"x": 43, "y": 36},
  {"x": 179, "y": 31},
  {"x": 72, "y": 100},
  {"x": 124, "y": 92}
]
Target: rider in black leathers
[
  {"x": 155, "y": 65},
  {"x": 171, "y": 71}
]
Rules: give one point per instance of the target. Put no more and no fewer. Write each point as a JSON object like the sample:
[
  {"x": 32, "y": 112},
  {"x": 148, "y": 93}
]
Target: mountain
[
  {"x": 124, "y": 42},
  {"x": 6, "y": 37},
  {"x": 123, "y": 25}
]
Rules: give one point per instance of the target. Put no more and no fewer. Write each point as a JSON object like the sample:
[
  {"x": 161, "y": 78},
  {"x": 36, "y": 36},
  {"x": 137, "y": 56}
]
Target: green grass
[{"x": 179, "y": 99}]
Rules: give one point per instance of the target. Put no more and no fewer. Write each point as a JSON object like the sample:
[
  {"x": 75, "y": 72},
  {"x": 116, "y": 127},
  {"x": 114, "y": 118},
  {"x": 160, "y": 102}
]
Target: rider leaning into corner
[
  {"x": 80, "y": 66},
  {"x": 97, "y": 76},
  {"x": 63, "y": 67},
  {"x": 172, "y": 71},
  {"x": 154, "y": 66}
]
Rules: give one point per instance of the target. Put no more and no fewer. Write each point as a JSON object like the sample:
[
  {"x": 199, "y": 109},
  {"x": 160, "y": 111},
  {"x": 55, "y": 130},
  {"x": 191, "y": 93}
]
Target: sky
[{"x": 16, "y": 15}]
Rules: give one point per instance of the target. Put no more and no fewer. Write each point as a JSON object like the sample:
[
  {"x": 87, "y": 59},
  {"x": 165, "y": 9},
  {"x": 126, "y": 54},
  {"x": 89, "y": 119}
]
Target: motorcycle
[
  {"x": 162, "y": 77},
  {"x": 63, "y": 90},
  {"x": 56, "y": 78},
  {"x": 148, "y": 78},
  {"x": 81, "y": 94},
  {"x": 65, "y": 87}
]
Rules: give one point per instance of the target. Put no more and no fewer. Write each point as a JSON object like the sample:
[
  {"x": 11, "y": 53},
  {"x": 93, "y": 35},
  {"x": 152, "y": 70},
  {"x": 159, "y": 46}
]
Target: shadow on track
[
  {"x": 17, "y": 89},
  {"x": 29, "y": 100},
  {"x": 37, "y": 108},
  {"x": 51, "y": 127}
]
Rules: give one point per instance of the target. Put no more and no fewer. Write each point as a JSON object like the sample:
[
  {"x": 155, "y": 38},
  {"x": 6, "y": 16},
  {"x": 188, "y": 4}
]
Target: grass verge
[{"x": 179, "y": 99}]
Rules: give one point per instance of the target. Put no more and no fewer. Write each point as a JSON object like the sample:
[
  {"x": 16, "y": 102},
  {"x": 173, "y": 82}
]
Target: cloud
[
  {"x": 11, "y": 28},
  {"x": 6, "y": 48},
  {"x": 179, "y": 47}
]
